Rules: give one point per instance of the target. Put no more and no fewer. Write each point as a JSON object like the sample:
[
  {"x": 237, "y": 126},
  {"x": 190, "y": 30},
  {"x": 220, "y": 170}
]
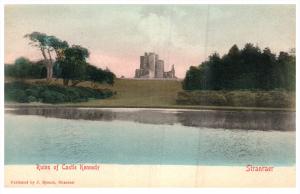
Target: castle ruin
[{"x": 153, "y": 67}]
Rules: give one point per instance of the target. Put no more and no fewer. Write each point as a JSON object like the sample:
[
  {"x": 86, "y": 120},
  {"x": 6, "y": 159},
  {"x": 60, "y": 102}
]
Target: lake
[{"x": 149, "y": 136}]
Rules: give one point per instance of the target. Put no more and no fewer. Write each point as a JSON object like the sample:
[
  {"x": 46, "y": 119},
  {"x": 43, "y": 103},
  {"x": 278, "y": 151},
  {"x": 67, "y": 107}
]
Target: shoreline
[
  {"x": 115, "y": 175},
  {"x": 179, "y": 107}
]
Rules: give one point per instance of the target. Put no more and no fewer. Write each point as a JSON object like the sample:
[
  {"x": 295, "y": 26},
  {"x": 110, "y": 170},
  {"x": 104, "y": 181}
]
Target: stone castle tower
[{"x": 153, "y": 67}]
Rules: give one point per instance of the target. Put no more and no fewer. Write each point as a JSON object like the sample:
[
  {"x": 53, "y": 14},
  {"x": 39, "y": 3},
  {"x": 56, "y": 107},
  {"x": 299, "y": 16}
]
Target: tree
[
  {"x": 69, "y": 62},
  {"x": 234, "y": 52},
  {"x": 97, "y": 75},
  {"x": 287, "y": 67},
  {"x": 267, "y": 73},
  {"x": 73, "y": 65},
  {"x": 248, "y": 68},
  {"x": 47, "y": 44},
  {"x": 193, "y": 79},
  {"x": 38, "y": 70},
  {"x": 109, "y": 77},
  {"x": 22, "y": 67},
  {"x": 231, "y": 67}
]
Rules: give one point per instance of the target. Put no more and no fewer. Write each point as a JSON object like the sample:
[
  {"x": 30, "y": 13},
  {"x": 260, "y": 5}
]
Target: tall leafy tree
[
  {"x": 48, "y": 44},
  {"x": 74, "y": 64}
]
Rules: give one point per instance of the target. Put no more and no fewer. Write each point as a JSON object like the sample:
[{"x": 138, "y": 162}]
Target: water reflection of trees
[
  {"x": 66, "y": 113},
  {"x": 254, "y": 120}
]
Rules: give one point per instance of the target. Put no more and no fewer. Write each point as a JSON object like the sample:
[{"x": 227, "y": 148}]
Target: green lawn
[{"x": 140, "y": 93}]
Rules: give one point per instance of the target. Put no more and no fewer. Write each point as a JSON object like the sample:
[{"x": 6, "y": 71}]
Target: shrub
[
  {"x": 241, "y": 98},
  {"x": 21, "y": 96},
  {"x": 32, "y": 99},
  {"x": 264, "y": 99},
  {"x": 282, "y": 99},
  {"x": 24, "y": 92},
  {"x": 279, "y": 99},
  {"x": 32, "y": 92},
  {"x": 49, "y": 96},
  {"x": 202, "y": 98},
  {"x": 74, "y": 95}
]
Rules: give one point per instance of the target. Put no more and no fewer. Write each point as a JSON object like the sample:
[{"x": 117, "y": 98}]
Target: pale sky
[{"x": 183, "y": 35}]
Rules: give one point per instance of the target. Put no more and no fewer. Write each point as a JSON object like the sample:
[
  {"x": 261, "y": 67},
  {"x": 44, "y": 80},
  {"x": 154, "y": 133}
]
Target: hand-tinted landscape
[{"x": 150, "y": 92}]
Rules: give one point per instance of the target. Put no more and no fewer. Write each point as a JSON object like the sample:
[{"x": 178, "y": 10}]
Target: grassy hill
[{"x": 144, "y": 93}]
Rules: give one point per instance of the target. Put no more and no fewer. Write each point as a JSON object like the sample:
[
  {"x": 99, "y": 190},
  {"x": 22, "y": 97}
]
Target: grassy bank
[
  {"x": 139, "y": 93},
  {"x": 157, "y": 94}
]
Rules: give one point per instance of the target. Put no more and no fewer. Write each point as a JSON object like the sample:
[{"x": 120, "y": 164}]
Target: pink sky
[{"x": 116, "y": 35}]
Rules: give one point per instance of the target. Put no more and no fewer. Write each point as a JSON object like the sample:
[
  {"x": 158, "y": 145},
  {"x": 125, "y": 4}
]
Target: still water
[{"x": 149, "y": 136}]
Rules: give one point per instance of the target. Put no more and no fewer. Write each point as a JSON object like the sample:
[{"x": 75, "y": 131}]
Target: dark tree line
[
  {"x": 60, "y": 61},
  {"x": 23, "y": 68},
  {"x": 248, "y": 68}
]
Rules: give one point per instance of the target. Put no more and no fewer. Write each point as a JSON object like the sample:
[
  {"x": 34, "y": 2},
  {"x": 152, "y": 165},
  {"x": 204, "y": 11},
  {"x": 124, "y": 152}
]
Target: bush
[
  {"x": 20, "y": 96},
  {"x": 74, "y": 95},
  {"x": 32, "y": 92},
  {"x": 49, "y": 96},
  {"x": 276, "y": 99},
  {"x": 264, "y": 99},
  {"x": 241, "y": 98},
  {"x": 32, "y": 99},
  {"x": 24, "y": 92},
  {"x": 206, "y": 98},
  {"x": 16, "y": 92}
]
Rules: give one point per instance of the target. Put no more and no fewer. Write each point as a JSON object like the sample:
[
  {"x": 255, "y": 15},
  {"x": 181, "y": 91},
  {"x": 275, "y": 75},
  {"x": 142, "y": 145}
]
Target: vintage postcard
[{"x": 150, "y": 95}]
